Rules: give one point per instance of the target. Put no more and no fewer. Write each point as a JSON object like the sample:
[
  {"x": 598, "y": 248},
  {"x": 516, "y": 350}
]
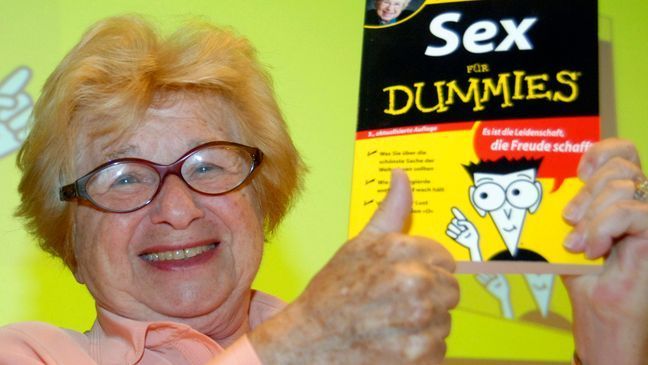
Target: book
[{"x": 488, "y": 106}]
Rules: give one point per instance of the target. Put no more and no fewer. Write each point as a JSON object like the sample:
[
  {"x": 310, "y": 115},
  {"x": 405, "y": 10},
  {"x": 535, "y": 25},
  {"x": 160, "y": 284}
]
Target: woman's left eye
[
  {"x": 207, "y": 169},
  {"x": 204, "y": 169}
]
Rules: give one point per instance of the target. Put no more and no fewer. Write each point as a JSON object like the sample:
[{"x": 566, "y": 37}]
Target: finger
[
  {"x": 452, "y": 234},
  {"x": 18, "y": 122},
  {"x": 409, "y": 295},
  {"x": 616, "y": 191},
  {"x": 577, "y": 206},
  {"x": 575, "y": 240},
  {"x": 464, "y": 225},
  {"x": 15, "y": 82},
  {"x": 7, "y": 102},
  {"x": 614, "y": 169},
  {"x": 395, "y": 209},
  {"x": 456, "y": 224},
  {"x": 628, "y": 217},
  {"x": 604, "y": 151},
  {"x": 453, "y": 294},
  {"x": 458, "y": 214},
  {"x": 485, "y": 278},
  {"x": 435, "y": 334},
  {"x": 425, "y": 347},
  {"x": 454, "y": 229},
  {"x": 397, "y": 247}
]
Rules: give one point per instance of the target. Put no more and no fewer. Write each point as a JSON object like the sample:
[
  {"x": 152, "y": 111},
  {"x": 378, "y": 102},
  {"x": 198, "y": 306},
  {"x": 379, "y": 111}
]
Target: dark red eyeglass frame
[{"x": 77, "y": 189}]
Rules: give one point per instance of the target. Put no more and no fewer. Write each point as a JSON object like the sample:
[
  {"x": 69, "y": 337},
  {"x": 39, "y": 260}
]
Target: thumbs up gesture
[{"x": 384, "y": 298}]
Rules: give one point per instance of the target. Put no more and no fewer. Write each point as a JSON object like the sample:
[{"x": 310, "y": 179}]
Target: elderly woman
[
  {"x": 156, "y": 166},
  {"x": 387, "y": 12}
]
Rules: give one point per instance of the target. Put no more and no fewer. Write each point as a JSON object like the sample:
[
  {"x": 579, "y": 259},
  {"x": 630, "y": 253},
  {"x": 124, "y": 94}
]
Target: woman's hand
[
  {"x": 384, "y": 298},
  {"x": 610, "y": 307}
]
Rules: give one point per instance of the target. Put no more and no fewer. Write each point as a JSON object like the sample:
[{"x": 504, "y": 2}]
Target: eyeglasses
[{"x": 127, "y": 184}]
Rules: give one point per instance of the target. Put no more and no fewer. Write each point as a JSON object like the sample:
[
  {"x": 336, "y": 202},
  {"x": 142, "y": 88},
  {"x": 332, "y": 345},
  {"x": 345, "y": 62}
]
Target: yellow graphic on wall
[{"x": 15, "y": 109}]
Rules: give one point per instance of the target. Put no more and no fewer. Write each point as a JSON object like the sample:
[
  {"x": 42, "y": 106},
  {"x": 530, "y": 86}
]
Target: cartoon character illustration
[
  {"x": 506, "y": 190},
  {"x": 498, "y": 286},
  {"x": 15, "y": 109}
]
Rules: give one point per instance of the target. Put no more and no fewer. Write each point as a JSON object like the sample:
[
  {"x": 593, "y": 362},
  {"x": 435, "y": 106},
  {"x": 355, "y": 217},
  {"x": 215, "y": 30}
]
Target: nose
[{"x": 175, "y": 204}]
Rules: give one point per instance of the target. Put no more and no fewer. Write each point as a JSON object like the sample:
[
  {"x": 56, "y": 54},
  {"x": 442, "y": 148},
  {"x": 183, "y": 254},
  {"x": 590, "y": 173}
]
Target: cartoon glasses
[{"x": 491, "y": 196}]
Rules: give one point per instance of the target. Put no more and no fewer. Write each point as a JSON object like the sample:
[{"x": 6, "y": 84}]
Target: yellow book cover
[{"x": 488, "y": 105}]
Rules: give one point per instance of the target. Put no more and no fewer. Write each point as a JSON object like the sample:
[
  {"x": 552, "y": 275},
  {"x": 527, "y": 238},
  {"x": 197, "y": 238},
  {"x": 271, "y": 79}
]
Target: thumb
[{"x": 394, "y": 210}]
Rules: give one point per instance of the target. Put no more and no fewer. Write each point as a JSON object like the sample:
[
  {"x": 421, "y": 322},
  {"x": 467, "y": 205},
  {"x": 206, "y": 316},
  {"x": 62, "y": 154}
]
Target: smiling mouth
[
  {"x": 513, "y": 228},
  {"x": 177, "y": 255}
]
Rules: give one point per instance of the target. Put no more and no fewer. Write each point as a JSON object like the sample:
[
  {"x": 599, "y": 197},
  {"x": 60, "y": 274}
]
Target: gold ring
[{"x": 641, "y": 189}]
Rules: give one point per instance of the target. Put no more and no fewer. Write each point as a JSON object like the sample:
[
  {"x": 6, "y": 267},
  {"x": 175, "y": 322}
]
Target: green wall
[{"x": 313, "y": 51}]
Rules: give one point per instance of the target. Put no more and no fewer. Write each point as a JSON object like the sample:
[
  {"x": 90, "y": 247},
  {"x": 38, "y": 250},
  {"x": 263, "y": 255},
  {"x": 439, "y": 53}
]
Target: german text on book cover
[{"x": 488, "y": 106}]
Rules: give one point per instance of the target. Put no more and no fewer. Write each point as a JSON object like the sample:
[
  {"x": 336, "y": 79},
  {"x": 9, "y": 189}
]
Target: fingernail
[
  {"x": 575, "y": 209},
  {"x": 574, "y": 242},
  {"x": 570, "y": 213},
  {"x": 585, "y": 171}
]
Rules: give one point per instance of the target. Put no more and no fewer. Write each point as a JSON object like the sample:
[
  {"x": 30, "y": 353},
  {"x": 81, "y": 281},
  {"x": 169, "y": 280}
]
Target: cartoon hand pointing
[
  {"x": 464, "y": 232},
  {"x": 498, "y": 286},
  {"x": 15, "y": 109}
]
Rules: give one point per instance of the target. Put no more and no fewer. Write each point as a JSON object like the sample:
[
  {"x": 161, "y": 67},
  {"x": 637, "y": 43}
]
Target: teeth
[{"x": 178, "y": 254}]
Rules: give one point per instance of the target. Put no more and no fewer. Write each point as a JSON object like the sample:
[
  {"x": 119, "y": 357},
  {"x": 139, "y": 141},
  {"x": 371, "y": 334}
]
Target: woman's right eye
[{"x": 125, "y": 180}]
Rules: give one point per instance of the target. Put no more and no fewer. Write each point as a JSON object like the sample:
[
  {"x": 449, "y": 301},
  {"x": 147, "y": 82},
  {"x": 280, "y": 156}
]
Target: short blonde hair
[{"x": 113, "y": 76}]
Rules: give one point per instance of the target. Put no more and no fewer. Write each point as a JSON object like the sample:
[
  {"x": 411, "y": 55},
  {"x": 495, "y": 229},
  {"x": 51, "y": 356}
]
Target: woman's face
[
  {"x": 389, "y": 10},
  {"x": 113, "y": 250}
]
